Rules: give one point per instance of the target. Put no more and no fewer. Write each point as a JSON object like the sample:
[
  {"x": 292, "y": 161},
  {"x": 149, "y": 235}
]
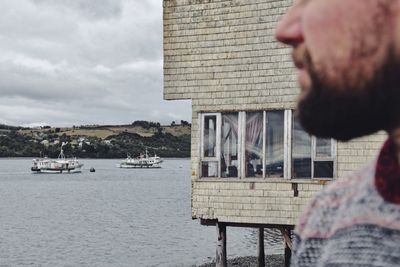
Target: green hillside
[{"x": 97, "y": 141}]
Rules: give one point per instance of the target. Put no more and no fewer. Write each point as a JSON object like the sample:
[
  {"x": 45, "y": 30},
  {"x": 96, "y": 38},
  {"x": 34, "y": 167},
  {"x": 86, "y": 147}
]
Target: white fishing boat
[
  {"x": 143, "y": 161},
  {"x": 59, "y": 165}
]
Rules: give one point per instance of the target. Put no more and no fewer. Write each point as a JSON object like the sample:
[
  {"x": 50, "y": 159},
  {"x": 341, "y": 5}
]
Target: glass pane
[
  {"x": 209, "y": 169},
  {"x": 301, "y": 152},
  {"x": 323, "y": 148},
  {"x": 229, "y": 149},
  {"x": 274, "y": 144},
  {"x": 210, "y": 132},
  {"x": 254, "y": 144},
  {"x": 323, "y": 169}
]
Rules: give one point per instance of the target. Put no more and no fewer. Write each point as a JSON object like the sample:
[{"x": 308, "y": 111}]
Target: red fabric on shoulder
[{"x": 387, "y": 174}]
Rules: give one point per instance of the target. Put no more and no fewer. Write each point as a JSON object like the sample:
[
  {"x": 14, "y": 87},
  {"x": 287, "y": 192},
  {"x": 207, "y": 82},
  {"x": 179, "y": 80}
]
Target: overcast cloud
[{"x": 74, "y": 62}]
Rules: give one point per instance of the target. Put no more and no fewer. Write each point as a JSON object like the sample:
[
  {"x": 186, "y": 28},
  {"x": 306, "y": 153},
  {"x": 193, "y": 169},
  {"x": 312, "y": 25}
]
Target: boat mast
[{"x": 62, "y": 156}]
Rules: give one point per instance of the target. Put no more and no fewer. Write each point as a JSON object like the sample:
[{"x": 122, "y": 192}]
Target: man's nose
[{"x": 288, "y": 30}]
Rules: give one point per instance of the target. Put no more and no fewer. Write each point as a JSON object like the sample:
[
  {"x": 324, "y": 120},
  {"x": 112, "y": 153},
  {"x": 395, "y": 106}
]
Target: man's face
[{"x": 348, "y": 66}]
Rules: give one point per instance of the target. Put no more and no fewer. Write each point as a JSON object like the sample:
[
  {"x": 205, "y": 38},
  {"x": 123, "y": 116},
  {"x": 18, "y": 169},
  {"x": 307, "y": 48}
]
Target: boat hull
[
  {"x": 56, "y": 171},
  {"x": 137, "y": 166}
]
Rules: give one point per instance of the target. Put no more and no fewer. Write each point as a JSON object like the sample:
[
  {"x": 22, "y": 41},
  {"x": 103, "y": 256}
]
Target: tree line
[{"x": 15, "y": 144}]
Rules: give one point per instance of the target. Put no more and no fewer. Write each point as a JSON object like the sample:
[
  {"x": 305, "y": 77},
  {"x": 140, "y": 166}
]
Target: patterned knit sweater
[{"x": 354, "y": 221}]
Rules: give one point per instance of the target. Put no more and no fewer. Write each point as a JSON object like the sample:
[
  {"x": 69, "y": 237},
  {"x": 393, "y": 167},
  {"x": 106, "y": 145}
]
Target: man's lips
[{"x": 300, "y": 68}]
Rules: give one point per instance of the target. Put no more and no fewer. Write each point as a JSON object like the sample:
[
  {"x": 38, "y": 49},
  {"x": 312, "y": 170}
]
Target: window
[
  {"x": 229, "y": 145},
  {"x": 311, "y": 157},
  {"x": 209, "y": 169},
  {"x": 323, "y": 159},
  {"x": 210, "y": 135},
  {"x": 301, "y": 152},
  {"x": 254, "y": 144},
  {"x": 209, "y": 149},
  {"x": 274, "y": 138},
  {"x": 262, "y": 144}
]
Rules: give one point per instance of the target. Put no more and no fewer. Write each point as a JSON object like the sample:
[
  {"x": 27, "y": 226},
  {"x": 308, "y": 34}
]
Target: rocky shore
[{"x": 250, "y": 261}]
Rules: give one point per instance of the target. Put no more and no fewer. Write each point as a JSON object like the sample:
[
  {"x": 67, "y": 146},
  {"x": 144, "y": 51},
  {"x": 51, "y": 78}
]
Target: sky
[{"x": 80, "y": 62}]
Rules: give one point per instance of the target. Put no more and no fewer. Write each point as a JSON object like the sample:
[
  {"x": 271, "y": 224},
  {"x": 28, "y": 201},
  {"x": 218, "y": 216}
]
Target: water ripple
[{"x": 113, "y": 217}]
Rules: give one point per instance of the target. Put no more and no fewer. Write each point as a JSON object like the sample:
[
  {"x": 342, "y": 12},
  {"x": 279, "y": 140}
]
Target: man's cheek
[{"x": 326, "y": 32}]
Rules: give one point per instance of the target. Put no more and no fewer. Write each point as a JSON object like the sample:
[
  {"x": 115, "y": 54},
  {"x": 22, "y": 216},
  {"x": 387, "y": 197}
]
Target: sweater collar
[{"x": 387, "y": 174}]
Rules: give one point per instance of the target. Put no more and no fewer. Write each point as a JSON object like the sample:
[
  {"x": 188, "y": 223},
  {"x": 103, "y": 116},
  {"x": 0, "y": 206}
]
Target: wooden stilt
[
  {"x": 261, "y": 253},
  {"x": 287, "y": 236},
  {"x": 220, "y": 260},
  {"x": 288, "y": 255}
]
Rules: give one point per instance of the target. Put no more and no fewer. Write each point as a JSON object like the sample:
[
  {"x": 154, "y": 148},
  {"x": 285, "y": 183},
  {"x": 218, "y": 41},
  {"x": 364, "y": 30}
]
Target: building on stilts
[{"x": 252, "y": 163}]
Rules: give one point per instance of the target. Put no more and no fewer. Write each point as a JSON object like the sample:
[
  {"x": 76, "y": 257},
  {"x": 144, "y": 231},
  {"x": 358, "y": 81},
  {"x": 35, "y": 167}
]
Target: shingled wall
[{"x": 222, "y": 55}]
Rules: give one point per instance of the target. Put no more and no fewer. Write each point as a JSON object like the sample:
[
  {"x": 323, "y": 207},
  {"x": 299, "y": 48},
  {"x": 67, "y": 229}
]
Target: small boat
[
  {"x": 143, "y": 161},
  {"x": 59, "y": 165},
  {"x": 92, "y": 169}
]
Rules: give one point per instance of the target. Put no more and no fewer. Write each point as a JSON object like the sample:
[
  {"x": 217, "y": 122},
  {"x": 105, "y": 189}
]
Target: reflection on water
[
  {"x": 273, "y": 240},
  {"x": 113, "y": 217}
]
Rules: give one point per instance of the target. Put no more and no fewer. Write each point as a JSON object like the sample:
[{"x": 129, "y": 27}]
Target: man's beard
[{"x": 352, "y": 111}]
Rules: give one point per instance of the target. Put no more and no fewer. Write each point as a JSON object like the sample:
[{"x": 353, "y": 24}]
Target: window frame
[
  {"x": 217, "y": 157},
  {"x": 287, "y": 147},
  {"x": 332, "y": 158}
]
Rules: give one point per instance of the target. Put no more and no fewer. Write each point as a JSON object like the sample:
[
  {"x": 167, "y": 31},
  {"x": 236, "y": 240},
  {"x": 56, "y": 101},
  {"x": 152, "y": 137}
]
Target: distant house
[
  {"x": 74, "y": 143},
  {"x": 252, "y": 163},
  {"x": 45, "y": 142},
  {"x": 80, "y": 141},
  {"x": 80, "y": 145}
]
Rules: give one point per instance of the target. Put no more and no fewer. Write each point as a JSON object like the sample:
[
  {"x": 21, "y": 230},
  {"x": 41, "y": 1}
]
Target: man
[{"x": 347, "y": 53}]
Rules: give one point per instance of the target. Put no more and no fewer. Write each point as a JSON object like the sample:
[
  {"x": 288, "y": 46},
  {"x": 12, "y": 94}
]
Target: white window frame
[
  {"x": 286, "y": 145},
  {"x": 287, "y": 157},
  {"x": 217, "y": 157},
  {"x": 314, "y": 157},
  {"x": 287, "y": 148},
  {"x": 333, "y": 158},
  {"x": 241, "y": 144}
]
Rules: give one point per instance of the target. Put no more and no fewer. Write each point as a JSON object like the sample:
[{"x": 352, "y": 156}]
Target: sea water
[{"x": 111, "y": 217}]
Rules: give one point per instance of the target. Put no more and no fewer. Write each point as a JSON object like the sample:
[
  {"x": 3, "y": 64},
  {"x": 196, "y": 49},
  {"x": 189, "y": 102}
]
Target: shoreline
[
  {"x": 250, "y": 261},
  {"x": 169, "y": 158}
]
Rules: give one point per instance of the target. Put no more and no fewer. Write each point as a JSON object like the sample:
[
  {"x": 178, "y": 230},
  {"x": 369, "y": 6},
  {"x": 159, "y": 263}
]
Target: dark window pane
[
  {"x": 254, "y": 144},
  {"x": 323, "y": 169},
  {"x": 209, "y": 138},
  {"x": 301, "y": 168},
  {"x": 274, "y": 144},
  {"x": 209, "y": 169},
  {"x": 229, "y": 149},
  {"x": 301, "y": 152}
]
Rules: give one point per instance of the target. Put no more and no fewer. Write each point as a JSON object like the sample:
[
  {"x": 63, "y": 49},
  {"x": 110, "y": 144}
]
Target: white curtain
[{"x": 254, "y": 129}]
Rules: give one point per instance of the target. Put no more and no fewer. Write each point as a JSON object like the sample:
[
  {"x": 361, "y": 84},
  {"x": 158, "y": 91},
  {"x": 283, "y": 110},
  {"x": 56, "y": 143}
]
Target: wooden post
[
  {"x": 261, "y": 253},
  {"x": 287, "y": 236},
  {"x": 220, "y": 260},
  {"x": 288, "y": 255}
]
